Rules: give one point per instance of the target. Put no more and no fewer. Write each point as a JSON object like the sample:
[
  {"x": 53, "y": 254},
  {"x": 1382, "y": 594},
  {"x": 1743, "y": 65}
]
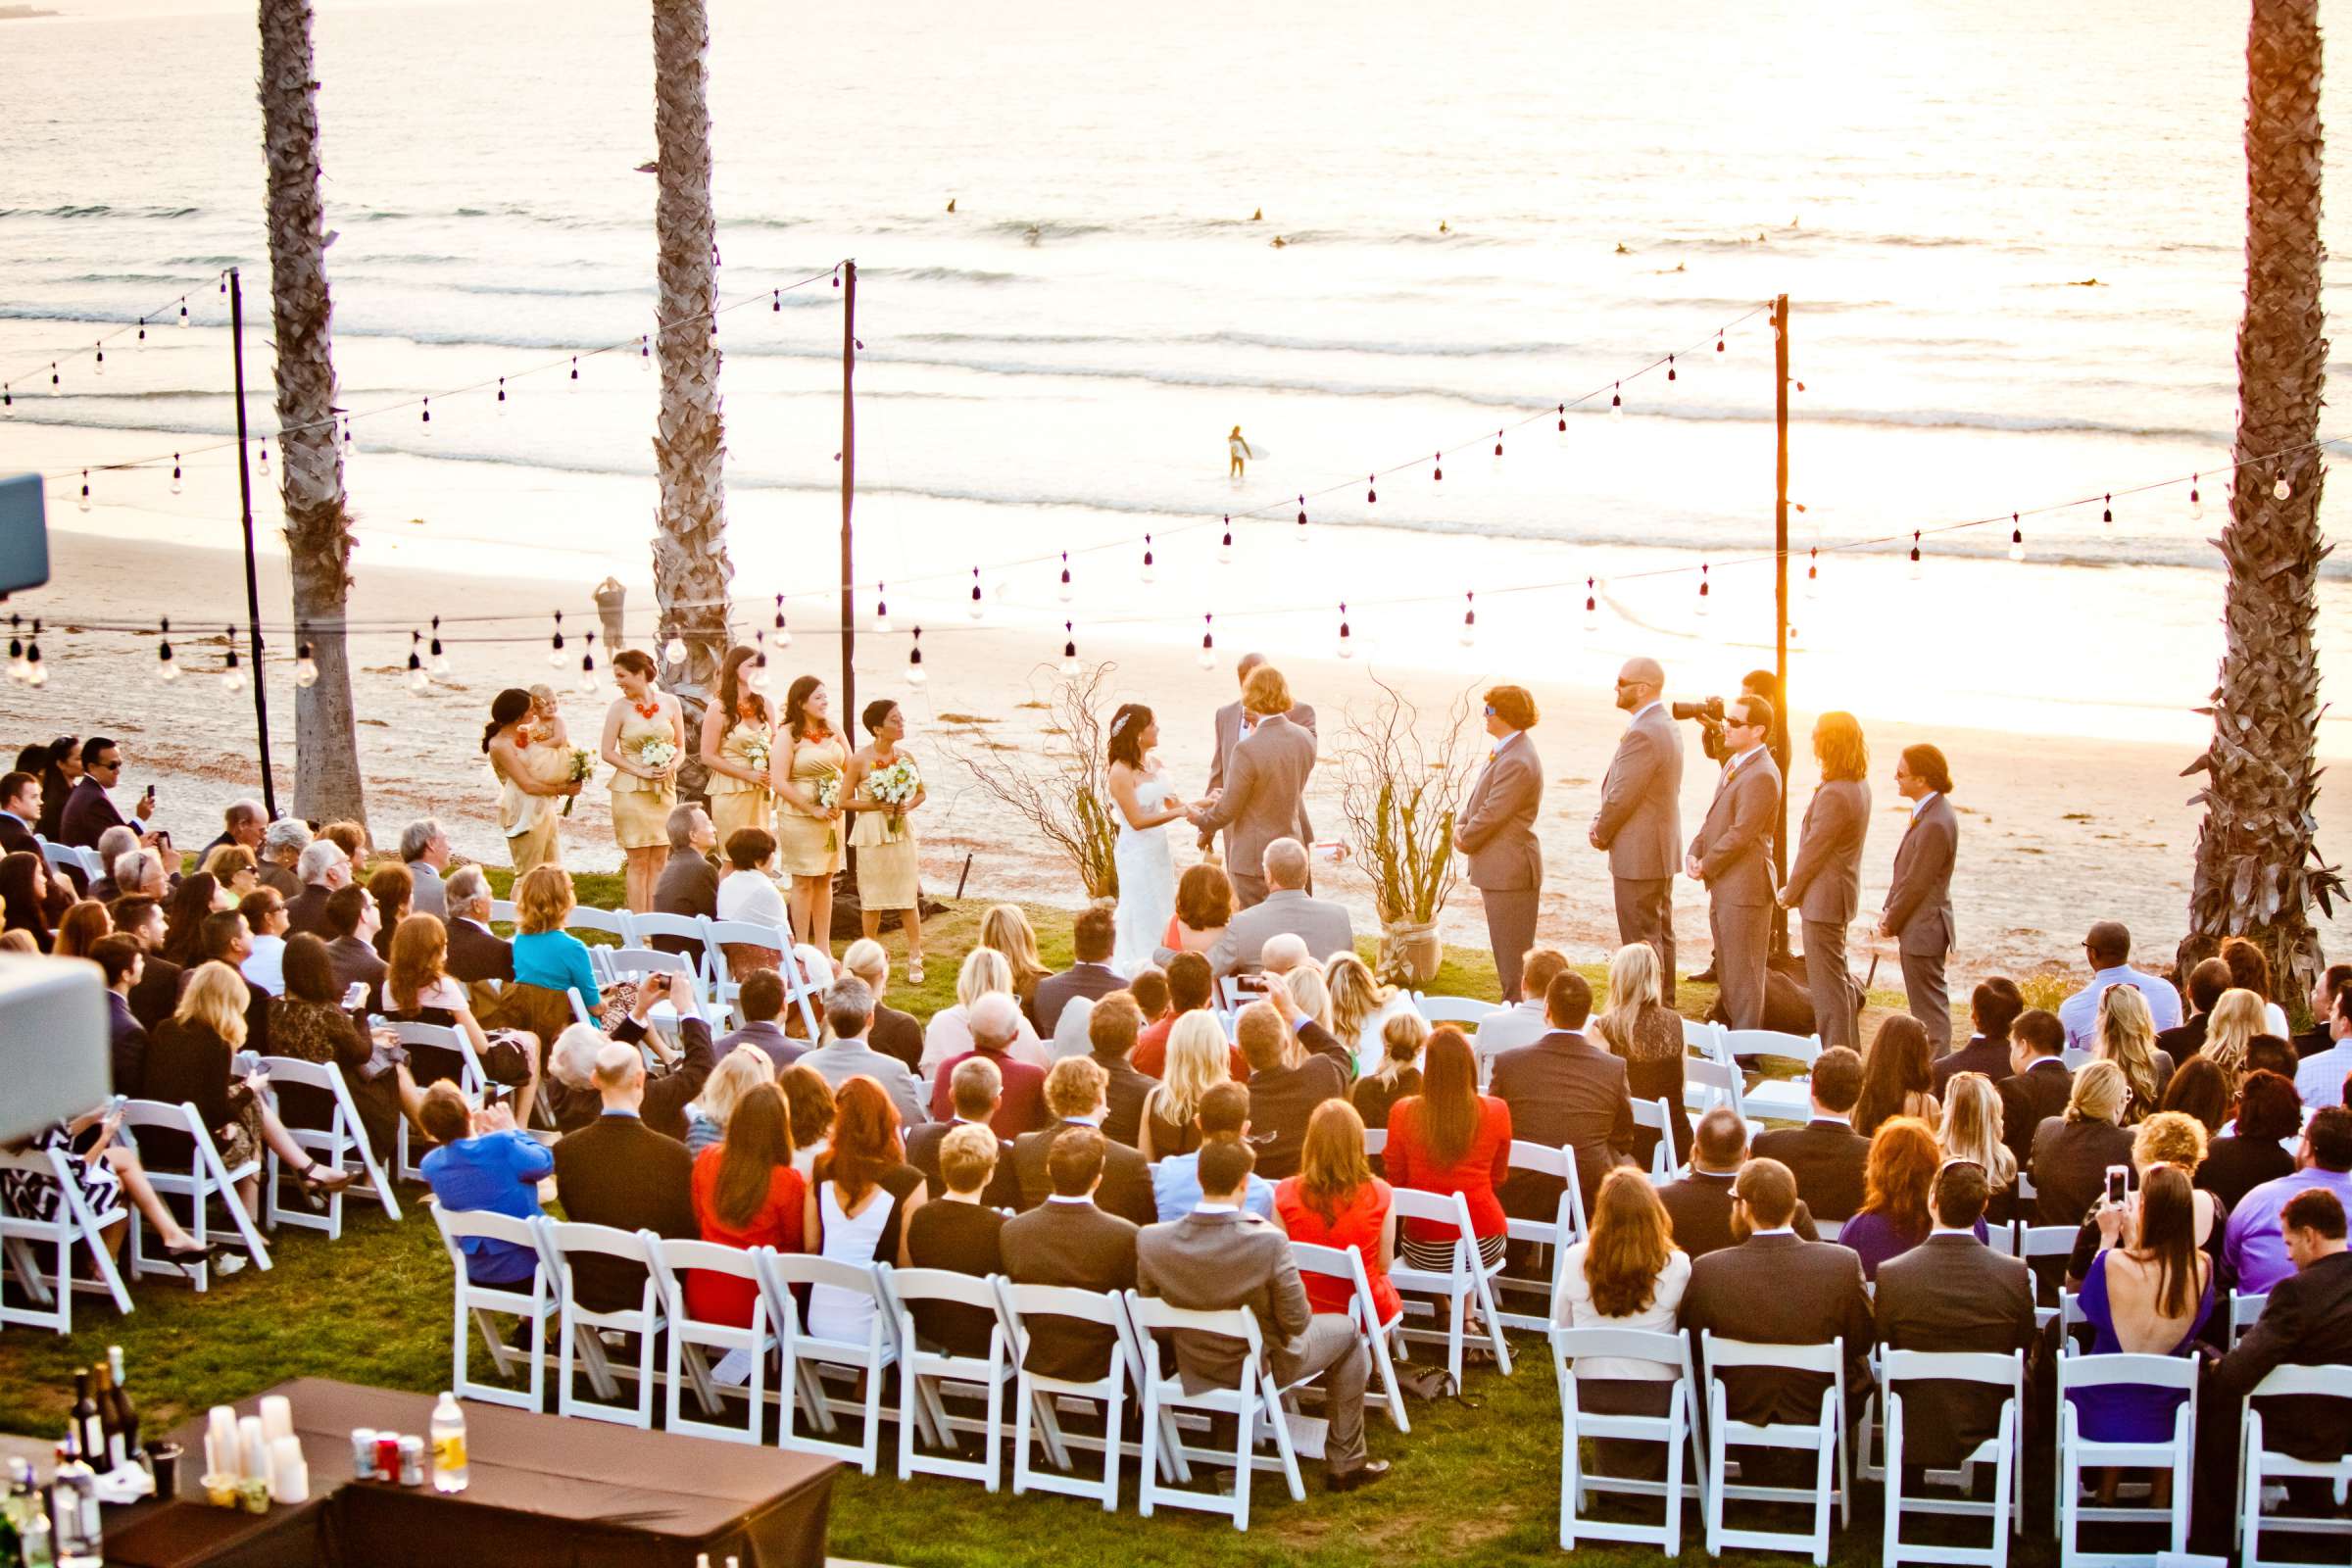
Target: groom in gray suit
[
  {"x": 1641, "y": 819},
  {"x": 1733, "y": 856},
  {"x": 1262, "y": 790}
]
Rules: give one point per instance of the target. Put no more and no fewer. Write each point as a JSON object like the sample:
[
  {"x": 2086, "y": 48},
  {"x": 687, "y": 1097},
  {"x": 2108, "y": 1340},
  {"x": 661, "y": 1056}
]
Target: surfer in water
[{"x": 1235, "y": 449}]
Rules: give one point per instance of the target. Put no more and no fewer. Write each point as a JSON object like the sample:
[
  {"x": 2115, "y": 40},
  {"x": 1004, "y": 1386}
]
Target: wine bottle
[
  {"x": 86, "y": 1429},
  {"x": 77, "y": 1535},
  {"x": 126, "y": 1413},
  {"x": 110, "y": 1450}
]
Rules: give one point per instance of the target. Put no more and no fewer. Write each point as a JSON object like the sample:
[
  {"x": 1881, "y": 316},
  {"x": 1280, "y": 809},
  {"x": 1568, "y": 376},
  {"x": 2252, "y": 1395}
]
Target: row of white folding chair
[
  {"x": 1657, "y": 1115},
  {"x": 49, "y": 1294},
  {"x": 2004, "y": 1451},
  {"x": 2259, "y": 1465},
  {"x": 205, "y": 1179},
  {"x": 340, "y": 1144},
  {"x": 1470, "y": 1011},
  {"x": 2245, "y": 1311},
  {"x": 68, "y": 856}
]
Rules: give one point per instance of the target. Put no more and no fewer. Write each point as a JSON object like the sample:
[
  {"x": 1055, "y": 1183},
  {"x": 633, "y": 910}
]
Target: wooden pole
[
  {"x": 1780, "y": 600},
  {"x": 253, "y": 591},
  {"x": 845, "y": 714}
]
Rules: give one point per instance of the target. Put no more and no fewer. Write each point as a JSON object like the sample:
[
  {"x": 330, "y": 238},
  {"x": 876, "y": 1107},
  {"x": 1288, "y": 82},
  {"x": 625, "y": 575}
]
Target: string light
[
  {"x": 1915, "y": 570},
  {"x": 1499, "y": 443},
  {"x": 1813, "y": 574},
  {"x": 86, "y": 489},
  {"x": 1346, "y": 648},
  {"x": 306, "y": 667},
  {"x": 167, "y": 667},
  {"x": 1469, "y": 619},
  {"x": 426, "y": 415},
  {"x": 1592, "y": 606},
  {"x": 914, "y": 660},
  {"x": 757, "y": 678},
  {"x": 783, "y": 632},
  {"x": 53, "y": 372},
  {"x": 2281, "y": 490},
  {"x": 555, "y": 659},
  {"x": 501, "y": 394},
  {"x": 778, "y": 304},
  {"x": 575, "y": 367},
  {"x": 36, "y": 673},
  {"x": 100, "y": 368},
  {"x": 8, "y": 396},
  {"x": 233, "y": 673},
  {"x": 2196, "y": 505},
  {"x": 2106, "y": 512},
  {"x": 1151, "y": 574},
  {"x": 438, "y": 661},
  {"x": 419, "y": 681},
  {"x": 1301, "y": 535},
  {"x": 1719, "y": 342},
  {"x": 1208, "y": 643},
  {"x": 1372, "y": 490},
  {"x": 1438, "y": 466},
  {"x": 1705, "y": 588},
  {"x": 1069, "y": 648},
  {"x": 265, "y": 464},
  {"x": 2017, "y": 538},
  {"x": 184, "y": 309},
  {"x": 1225, "y": 544},
  {"x": 645, "y": 349},
  {"x": 882, "y": 607},
  {"x": 588, "y": 666},
  {"x": 674, "y": 651},
  {"x": 1563, "y": 418},
  {"x": 1617, "y": 400},
  {"x": 1064, "y": 592},
  {"x": 1669, "y": 366},
  {"x": 979, "y": 604},
  {"x": 16, "y": 649},
  {"x": 175, "y": 484}
]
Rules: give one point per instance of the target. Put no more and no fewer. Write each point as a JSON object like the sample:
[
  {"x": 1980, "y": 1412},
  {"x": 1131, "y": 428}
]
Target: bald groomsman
[
  {"x": 1640, "y": 818},
  {"x": 1733, "y": 856}
]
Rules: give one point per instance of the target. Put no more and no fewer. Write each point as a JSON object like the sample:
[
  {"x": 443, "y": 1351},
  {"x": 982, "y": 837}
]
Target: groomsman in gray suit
[
  {"x": 1732, "y": 857},
  {"x": 1497, "y": 831},
  {"x": 1262, "y": 791},
  {"x": 1640, "y": 818},
  {"x": 1825, "y": 884},
  {"x": 1919, "y": 905},
  {"x": 1232, "y": 722}
]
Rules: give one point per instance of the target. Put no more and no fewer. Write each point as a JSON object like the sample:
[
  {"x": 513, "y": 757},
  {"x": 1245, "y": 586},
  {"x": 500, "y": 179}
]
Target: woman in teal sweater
[{"x": 545, "y": 953}]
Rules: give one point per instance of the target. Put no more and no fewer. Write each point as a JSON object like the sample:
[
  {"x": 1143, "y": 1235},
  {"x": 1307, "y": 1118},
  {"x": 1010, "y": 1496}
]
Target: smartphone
[
  {"x": 355, "y": 996},
  {"x": 1250, "y": 982},
  {"x": 2119, "y": 1179},
  {"x": 1329, "y": 851}
]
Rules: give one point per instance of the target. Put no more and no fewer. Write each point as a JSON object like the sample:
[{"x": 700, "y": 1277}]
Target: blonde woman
[
  {"x": 2072, "y": 1152},
  {"x": 1309, "y": 995},
  {"x": 1972, "y": 1130},
  {"x": 738, "y": 1072},
  {"x": 2126, "y": 1035},
  {"x": 1649, "y": 1035},
  {"x": 2236, "y": 1018},
  {"x": 1006, "y": 930},
  {"x": 641, "y": 719},
  {"x": 950, "y": 1033},
  {"x": 1361, "y": 1008},
  {"x": 895, "y": 1033},
  {"x": 1196, "y": 1065},
  {"x": 1398, "y": 1076}
]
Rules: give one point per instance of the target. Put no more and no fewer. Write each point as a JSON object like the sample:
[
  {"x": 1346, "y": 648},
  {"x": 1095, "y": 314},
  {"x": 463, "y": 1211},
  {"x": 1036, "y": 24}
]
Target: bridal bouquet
[
  {"x": 896, "y": 787},
  {"x": 582, "y": 763}
]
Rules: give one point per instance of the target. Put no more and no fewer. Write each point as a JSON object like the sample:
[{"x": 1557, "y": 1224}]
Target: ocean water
[{"x": 2012, "y": 235}]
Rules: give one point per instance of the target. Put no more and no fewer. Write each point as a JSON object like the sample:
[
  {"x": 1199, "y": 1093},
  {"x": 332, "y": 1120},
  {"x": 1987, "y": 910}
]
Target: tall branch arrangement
[
  {"x": 1067, "y": 800},
  {"x": 1399, "y": 789}
]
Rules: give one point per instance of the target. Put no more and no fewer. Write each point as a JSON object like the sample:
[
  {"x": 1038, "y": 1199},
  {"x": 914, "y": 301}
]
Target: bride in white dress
[{"x": 1146, "y": 870}]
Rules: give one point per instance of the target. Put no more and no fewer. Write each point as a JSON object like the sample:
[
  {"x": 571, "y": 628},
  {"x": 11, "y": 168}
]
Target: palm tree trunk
[
  {"x": 2258, "y": 871},
  {"x": 690, "y": 551},
  {"x": 327, "y": 759}
]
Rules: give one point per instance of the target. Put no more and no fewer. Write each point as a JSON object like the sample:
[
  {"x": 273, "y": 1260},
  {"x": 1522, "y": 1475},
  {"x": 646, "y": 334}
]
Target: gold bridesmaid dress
[
  {"x": 734, "y": 803},
  {"x": 641, "y": 806},
  {"x": 809, "y": 846}
]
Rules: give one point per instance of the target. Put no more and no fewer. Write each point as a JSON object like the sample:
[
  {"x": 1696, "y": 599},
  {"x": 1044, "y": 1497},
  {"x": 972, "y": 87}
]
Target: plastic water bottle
[{"x": 450, "y": 1472}]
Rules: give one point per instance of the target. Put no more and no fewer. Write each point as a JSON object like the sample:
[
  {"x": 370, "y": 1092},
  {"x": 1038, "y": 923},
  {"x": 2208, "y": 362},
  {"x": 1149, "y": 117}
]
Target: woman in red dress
[
  {"x": 1450, "y": 1139},
  {"x": 747, "y": 1195},
  {"x": 1335, "y": 1201}
]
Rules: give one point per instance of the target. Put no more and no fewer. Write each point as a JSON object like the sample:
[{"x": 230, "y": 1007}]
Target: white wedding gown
[{"x": 1147, "y": 879}]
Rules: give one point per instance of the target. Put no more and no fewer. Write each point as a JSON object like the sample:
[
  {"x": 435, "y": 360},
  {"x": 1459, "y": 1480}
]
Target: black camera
[{"x": 1709, "y": 716}]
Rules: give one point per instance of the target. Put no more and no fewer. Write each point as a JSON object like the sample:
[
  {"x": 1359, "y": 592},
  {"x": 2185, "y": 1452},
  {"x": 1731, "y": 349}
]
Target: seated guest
[
  {"x": 478, "y": 958},
  {"x": 1893, "y": 1217},
  {"x": 737, "y": 1074},
  {"x": 1149, "y": 986},
  {"x": 1451, "y": 1139},
  {"x": 2071, "y": 1151},
  {"x": 2108, "y": 948},
  {"x": 1994, "y": 1006},
  {"x": 689, "y": 883},
  {"x": 545, "y": 953},
  {"x": 233, "y": 866},
  {"x": 1006, "y": 930},
  {"x": 2255, "y": 1248},
  {"x": 2165, "y": 1139},
  {"x": 2039, "y": 1082},
  {"x": 351, "y": 837},
  {"x": 1828, "y": 1157},
  {"x": 1218, "y": 1257},
  {"x": 1523, "y": 1022},
  {"x": 1361, "y": 1008},
  {"x": 157, "y": 991},
  {"x": 1197, "y": 1062},
  {"x": 1952, "y": 1293},
  {"x": 308, "y": 1022},
  {"x": 1972, "y": 1130},
  {"x": 1073, "y": 1096},
  {"x": 748, "y": 892},
  {"x": 985, "y": 973},
  {"x": 222, "y": 938},
  {"x": 118, "y": 959},
  {"x": 2264, "y": 1054},
  {"x": 1647, "y": 1036},
  {"x": 1092, "y": 938},
  {"x": 620, "y": 1172},
  {"x": 759, "y": 1004},
  {"x": 2306, "y": 1322},
  {"x": 1897, "y": 1077},
  {"x": 20, "y": 812},
  {"x": 1286, "y": 1083},
  {"x": 242, "y": 826},
  {"x": 394, "y": 892},
  {"x": 1335, "y": 1201},
  {"x": 264, "y": 916},
  {"x": 2208, "y": 981},
  {"x": 84, "y": 922},
  {"x": 1204, "y": 908},
  {"x": 973, "y": 1089},
  {"x": 424, "y": 851},
  {"x": 2200, "y": 1090},
  {"x": 1397, "y": 1074},
  {"x": 1111, "y": 1030},
  {"x": 1626, "y": 1273},
  {"x": 1287, "y": 907},
  {"x": 1223, "y": 1112},
  {"x": 418, "y": 988},
  {"x": 994, "y": 1025},
  {"x": 960, "y": 1232},
  {"x": 2319, "y": 1077},
  {"x": 2253, "y": 1150},
  {"x": 2237, "y": 1022},
  {"x": 1565, "y": 1092},
  {"x": 895, "y": 1033},
  {"x": 810, "y": 1099},
  {"x": 484, "y": 1161},
  {"x": 1067, "y": 1240},
  {"x": 2125, "y": 1035},
  {"x": 1700, "y": 1204},
  {"x": 113, "y": 844},
  {"x": 1189, "y": 989},
  {"x": 1775, "y": 1288},
  {"x": 2251, "y": 970},
  {"x": 2148, "y": 1292},
  {"x": 282, "y": 844},
  {"x": 746, "y": 1194},
  {"x": 324, "y": 868},
  {"x": 183, "y": 911},
  {"x": 351, "y": 923},
  {"x": 25, "y": 896},
  {"x": 2311, "y": 1041}
]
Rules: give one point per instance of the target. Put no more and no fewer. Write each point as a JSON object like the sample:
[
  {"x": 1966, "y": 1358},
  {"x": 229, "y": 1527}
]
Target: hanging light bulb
[
  {"x": 1346, "y": 648},
  {"x": 184, "y": 309},
  {"x": 346, "y": 440},
  {"x": 2017, "y": 538},
  {"x": 265, "y": 462},
  {"x": 776, "y": 302},
  {"x": 2106, "y": 511},
  {"x": 86, "y": 489},
  {"x": 557, "y": 659},
  {"x": 36, "y": 673},
  {"x": 2197, "y": 505},
  {"x": 1151, "y": 573},
  {"x": 2281, "y": 490},
  {"x": 755, "y": 672},
  {"x": 419, "y": 681},
  {"x": 914, "y": 660},
  {"x": 1063, "y": 593},
  {"x": 674, "y": 651},
  {"x": 1617, "y": 400},
  {"x": 1438, "y": 468},
  {"x": 882, "y": 608},
  {"x": 1563, "y": 419},
  {"x": 232, "y": 671},
  {"x": 1499, "y": 443},
  {"x": 100, "y": 368},
  {"x": 575, "y": 367},
  {"x": 1469, "y": 619},
  {"x": 1371, "y": 489},
  {"x": 1592, "y": 606},
  {"x": 426, "y": 415},
  {"x": 52, "y": 373},
  {"x": 1706, "y": 589},
  {"x": 8, "y": 396},
  {"x": 438, "y": 660},
  {"x": 1915, "y": 568},
  {"x": 1669, "y": 366},
  {"x": 1301, "y": 535},
  {"x": 1208, "y": 643},
  {"x": 142, "y": 330},
  {"x": 1719, "y": 342},
  {"x": 167, "y": 667},
  {"x": 783, "y": 632},
  {"x": 644, "y": 350},
  {"x": 1225, "y": 544},
  {"x": 175, "y": 484},
  {"x": 16, "y": 649},
  {"x": 306, "y": 667},
  {"x": 979, "y": 602},
  {"x": 1069, "y": 650},
  {"x": 587, "y": 681},
  {"x": 1813, "y": 574}
]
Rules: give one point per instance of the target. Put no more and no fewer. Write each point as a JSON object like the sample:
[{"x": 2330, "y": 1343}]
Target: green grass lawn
[{"x": 1475, "y": 1482}]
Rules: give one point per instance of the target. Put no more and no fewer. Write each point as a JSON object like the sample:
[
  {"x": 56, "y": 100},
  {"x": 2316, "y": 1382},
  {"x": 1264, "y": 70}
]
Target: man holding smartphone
[{"x": 90, "y": 810}]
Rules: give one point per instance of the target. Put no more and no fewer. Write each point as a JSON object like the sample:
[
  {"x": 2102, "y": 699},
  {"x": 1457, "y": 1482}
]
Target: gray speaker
[
  {"x": 23, "y": 535},
  {"x": 54, "y": 1056}
]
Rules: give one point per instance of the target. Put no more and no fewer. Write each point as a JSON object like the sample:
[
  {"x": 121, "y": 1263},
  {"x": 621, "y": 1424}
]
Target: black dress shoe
[{"x": 1362, "y": 1475}]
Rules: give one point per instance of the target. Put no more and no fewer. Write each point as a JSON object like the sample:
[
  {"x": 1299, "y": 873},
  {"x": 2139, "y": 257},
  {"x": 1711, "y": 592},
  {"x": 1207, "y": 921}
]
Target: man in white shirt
[
  {"x": 2319, "y": 1077},
  {"x": 1524, "y": 1023},
  {"x": 2108, "y": 948}
]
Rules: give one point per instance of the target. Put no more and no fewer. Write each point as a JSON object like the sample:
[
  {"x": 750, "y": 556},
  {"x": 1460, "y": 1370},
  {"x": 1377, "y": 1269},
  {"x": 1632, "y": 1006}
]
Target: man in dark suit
[
  {"x": 2206, "y": 983},
  {"x": 759, "y": 1004},
  {"x": 20, "y": 809},
  {"x": 617, "y": 1171},
  {"x": 1994, "y": 1006},
  {"x": 689, "y": 881},
  {"x": 1825, "y": 881},
  {"x": 1074, "y": 1098},
  {"x": 1067, "y": 1240},
  {"x": 477, "y": 954},
  {"x": 1953, "y": 1293},
  {"x": 156, "y": 994},
  {"x": 1733, "y": 856},
  {"x": 324, "y": 870},
  {"x": 1281, "y": 1098},
  {"x": 352, "y": 922},
  {"x": 1776, "y": 1288},
  {"x": 1496, "y": 832},
  {"x": 118, "y": 960},
  {"x": 1640, "y": 818},
  {"x": 663, "y": 1101},
  {"x": 89, "y": 810},
  {"x": 973, "y": 1088},
  {"x": 1233, "y": 724},
  {"x": 1218, "y": 1257},
  {"x": 1919, "y": 902},
  {"x": 1263, "y": 796},
  {"x": 1111, "y": 1034},
  {"x": 1700, "y": 1204},
  {"x": 2039, "y": 1082},
  {"x": 1091, "y": 937},
  {"x": 2316, "y": 1038},
  {"x": 1564, "y": 1092},
  {"x": 1826, "y": 1155}
]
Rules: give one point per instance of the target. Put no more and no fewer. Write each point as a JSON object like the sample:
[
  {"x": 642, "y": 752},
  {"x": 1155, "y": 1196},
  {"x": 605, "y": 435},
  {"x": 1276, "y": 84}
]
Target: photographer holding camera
[
  {"x": 1733, "y": 856},
  {"x": 1711, "y": 719}
]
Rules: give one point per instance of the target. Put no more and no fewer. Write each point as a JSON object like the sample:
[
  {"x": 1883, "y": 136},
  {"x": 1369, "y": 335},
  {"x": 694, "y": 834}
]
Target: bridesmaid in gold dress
[
  {"x": 888, "y": 876},
  {"x": 737, "y": 732},
  {"x": 805, "y": 756},
  {"x": 526, "y": 792},
  {"x": 641, "y": 792}
]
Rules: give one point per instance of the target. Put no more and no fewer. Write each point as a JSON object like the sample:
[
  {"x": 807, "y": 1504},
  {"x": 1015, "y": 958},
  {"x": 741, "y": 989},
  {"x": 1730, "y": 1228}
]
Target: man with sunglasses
[
  {"x": 90, "y": 810},
  {"x": 1733, "y": 856},
  {"x": 1641, "y": 821}
]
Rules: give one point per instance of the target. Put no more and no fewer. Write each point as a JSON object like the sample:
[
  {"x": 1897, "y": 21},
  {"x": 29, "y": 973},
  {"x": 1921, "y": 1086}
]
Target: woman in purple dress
[{"x": 2148, "y": 1292}]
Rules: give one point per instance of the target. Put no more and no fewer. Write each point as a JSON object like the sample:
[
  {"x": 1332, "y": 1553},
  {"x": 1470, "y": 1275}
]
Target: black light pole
[
  {"x": 848, "y": 490},
  {"x": 253, "y": 591}
]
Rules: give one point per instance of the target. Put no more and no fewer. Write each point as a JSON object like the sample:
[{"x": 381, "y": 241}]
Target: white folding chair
[
  {"x": 1376, "y": 1141},
  {"x": 579, "y": 1006},
  {"x": 1036, "y": 1393},
  {"x": 1676, "y": 1429},
  {"x": 1471, "y": 1010},
  {"x": 1705, "y": 1037},
  {"x": 1257, "y": 1396},
  {"x": 1776, "y": 1098},
  {"x": 588, "y": 918},
  {"x": 2258, "y": 1463},
  {"x": 502, "y": 910},
  {"x": 2004, "y": 1451},
  {"x": 1347, "y": 1266},
  {"x": 2035, "y": 1244},
  {"x": 643, "y": 929},
  {"x": 799, "y": 991},
  {"x": 1825, "y": 1438},
  {"x": 1828, "y": 1230},
  {"x": 683, "y": 1357},
  {"x": 1708, "y": 1083},
  {"x": 807, "y": 1354},
  {"x": 582, "y": 1326},
  {"x": 66, "y": 857},
  {"x": 1467, "y": 1281},
  {"x": 533, "y": 1304},
  {"x": 928, "y": 1373},
  {"x": 2075, "y": 1058},
  {"x": 335, "y": 1146},
  {"x": 2077, "y": 1453},
  {"x": 163, "y": 1136},
  {"x": 1554, "y": 1236},
  {"x": 437, "y": 1053},
  {"x": 1657, "y": 1115},
  {"x": 74, "y": 1225},
  {"x": 2245, "y": 1312}
]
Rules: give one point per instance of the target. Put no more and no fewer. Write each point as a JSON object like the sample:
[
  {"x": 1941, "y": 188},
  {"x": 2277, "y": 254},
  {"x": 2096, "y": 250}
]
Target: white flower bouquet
[
  {"x": 582, "y": 766},
  {"x": 827, "y": 789},
  {"x": 896, "y": 787},
  {"x": 658, "y": 754},
  {"x": 756, "y": 754}
]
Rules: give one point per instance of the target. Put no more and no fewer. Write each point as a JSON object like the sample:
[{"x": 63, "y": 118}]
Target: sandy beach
[{"x": 2056, "y": 832}]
